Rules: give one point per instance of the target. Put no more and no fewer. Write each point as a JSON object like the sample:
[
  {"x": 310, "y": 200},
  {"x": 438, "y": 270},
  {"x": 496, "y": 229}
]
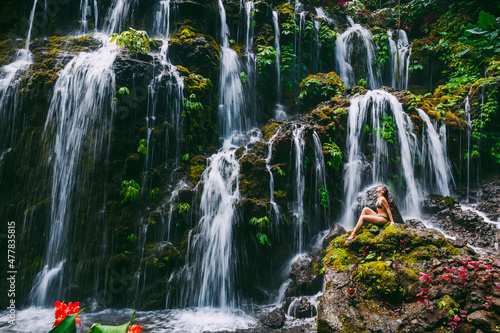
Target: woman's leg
[{"x": 367, "y": 215}]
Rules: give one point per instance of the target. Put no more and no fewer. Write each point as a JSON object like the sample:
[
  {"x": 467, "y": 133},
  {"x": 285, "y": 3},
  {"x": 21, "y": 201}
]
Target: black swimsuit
[{"x": 378, "y": 204}]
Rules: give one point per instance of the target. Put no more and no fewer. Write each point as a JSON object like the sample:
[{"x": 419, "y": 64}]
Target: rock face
[
  {"x": 274, "y": 319},
  {"x": 369, "y": 198},
  {"x": 407, "y": 280},
  {"x": 306, "y": 277}
]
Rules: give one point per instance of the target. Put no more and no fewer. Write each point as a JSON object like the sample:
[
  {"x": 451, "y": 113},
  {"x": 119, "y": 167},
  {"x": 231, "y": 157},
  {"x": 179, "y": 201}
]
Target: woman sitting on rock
[{"x": 382, "y": 216}]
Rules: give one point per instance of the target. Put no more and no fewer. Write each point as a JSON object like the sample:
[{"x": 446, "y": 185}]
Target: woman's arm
[{"x": 387, "y": 209}]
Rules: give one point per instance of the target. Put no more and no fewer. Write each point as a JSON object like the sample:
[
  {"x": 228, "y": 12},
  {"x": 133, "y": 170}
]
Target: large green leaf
[
  {"x": 486, "y": 21},
  {"x": 67, "y": 325},
  {"x": 98, "y": 328}
]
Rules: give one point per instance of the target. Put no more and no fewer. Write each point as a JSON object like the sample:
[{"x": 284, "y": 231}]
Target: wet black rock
[
  {"x": 417, "y": 224},
  {"x": 490, "y": 195},
  {"x": 467, "y": 226},
  {"x": 302, "y": 308},
  {"x": 305, "y": 276},
  {"x": 274, "y": 319},
  {"x": 434, "y": 203},
  {"x": 335, "y": 231}
]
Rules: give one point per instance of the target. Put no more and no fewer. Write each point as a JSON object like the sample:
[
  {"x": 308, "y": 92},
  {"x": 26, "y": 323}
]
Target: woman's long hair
[{"x": 386, "y": 192}]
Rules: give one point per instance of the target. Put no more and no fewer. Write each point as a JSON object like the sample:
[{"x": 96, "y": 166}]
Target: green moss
[
  {"x": 286, "y": 8},
  {"x": 338, "y": 259},
  {"x": 320, "y": 87},
  {"x": 377, "y": 278},
  {"x": 198, "y": 165},
  {"x": 269, "y": 130},
  {"x": 420, "y": 253}
]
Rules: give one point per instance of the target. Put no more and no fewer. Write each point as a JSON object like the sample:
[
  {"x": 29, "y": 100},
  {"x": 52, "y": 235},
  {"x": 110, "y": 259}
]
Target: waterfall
[
  {"x": 77, "y": 125},
  {"x": 469, "y": 131},
  {"x": 275, "y": 211},
  {"x": 319, "y": 178},
  {"x": 400, "y": 51},
  {"x": 117, "y": 16},
  {"x": 435, "y": 164},
  {"x": 210, "y": 280},
  {"x": 345, "y": 53},
  {"x": 299, "y": 186},
  {"x": 371, "y": 167},
  {"x": 231, "y": 93},
  {"x": 251, "y": 63},
  {"x": 279, "y": 112},
  {"x": 10, "y": 78}
]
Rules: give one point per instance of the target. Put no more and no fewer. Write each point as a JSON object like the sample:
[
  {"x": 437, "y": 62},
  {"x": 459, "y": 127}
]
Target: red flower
[
  {"x": 135, "y": 329},
  {"x": 63, "y": 310}
]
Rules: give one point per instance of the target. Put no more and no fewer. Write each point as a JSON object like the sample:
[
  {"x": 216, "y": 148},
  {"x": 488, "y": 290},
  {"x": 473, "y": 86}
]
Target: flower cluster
[{"x": 63, "y": 310}]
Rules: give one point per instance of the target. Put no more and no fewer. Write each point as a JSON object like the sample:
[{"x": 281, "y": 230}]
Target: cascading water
[
  {"x": 279, "y": 112},
  {"x": 299, "y": 188},
  {"x": 400, "y": 51},
  {"x": 360, "y": 169},
  {"x": 86, "y": 11},
  {"x": 435, "y": 164},
  {"x": 210, "y": 280},
  {"x": 275, "y": 211},
  {"x": 75, "y": 117},
  {"x": 319, "y": 179},
  {"x": 469, "y": 130},
  {"x": 80, "y": 125},
  {"x": 10, "y": 78},
  {"x": 345, "y": 54}
]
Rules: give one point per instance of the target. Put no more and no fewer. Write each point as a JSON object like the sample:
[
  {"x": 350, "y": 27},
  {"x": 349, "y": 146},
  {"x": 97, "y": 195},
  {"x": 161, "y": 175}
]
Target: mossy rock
[
  {"x": 286, "y": 8},
  {"x": 377, "y": 276},
  {"x": 316, "y": 88},
  {"x": 269, "y": 130},
  {"x": 198, "y": 165}
]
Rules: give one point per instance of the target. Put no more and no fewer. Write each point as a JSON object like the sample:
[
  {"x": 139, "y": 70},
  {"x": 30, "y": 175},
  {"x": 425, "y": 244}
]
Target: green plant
[
  {"x": 190, "y": 103},
  {"x": 261, "y": 223},
  {"x": 324, "y": 197},
  {"x": 388, "y": 129},
  {"x": 335, "y": 153},
  {"x": 185, "y": 157},
  {"x": 280, "y": 171},
  {"x": 121, "y": 91},
  {"x": 143, "y": 149},
  {"x": 243, "y": 77},
  {"x": 131, "y": 238},
  {"x": 382, "y": 49},
  {"x": 415, "y": 66},
  {"x": 154, "y": 192},
  {"x": 184, "y": 207},
  {"x": 134, "y": 40},
  {"x": 130, "y": 191},
  {"x": 266, "y": 55}
]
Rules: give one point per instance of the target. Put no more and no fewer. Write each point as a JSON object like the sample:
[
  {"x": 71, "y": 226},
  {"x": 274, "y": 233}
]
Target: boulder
[
  {"x": 405, "y": 279},
  {"x": 301, "y": 308},
  {"x": 434, "y": 203},
  {"x": 335, "y": 231},
  {"x": 305, "y": 276},
  {"x": 274, "y": 319}
]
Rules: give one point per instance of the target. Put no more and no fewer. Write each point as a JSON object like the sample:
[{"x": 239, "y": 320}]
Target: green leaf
[
  {"x": 461, "y": 54},
  {"x": 486, "y": 21},
  {"x": 68, "y": 325},
  {"x": 98, "y": 328}
]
